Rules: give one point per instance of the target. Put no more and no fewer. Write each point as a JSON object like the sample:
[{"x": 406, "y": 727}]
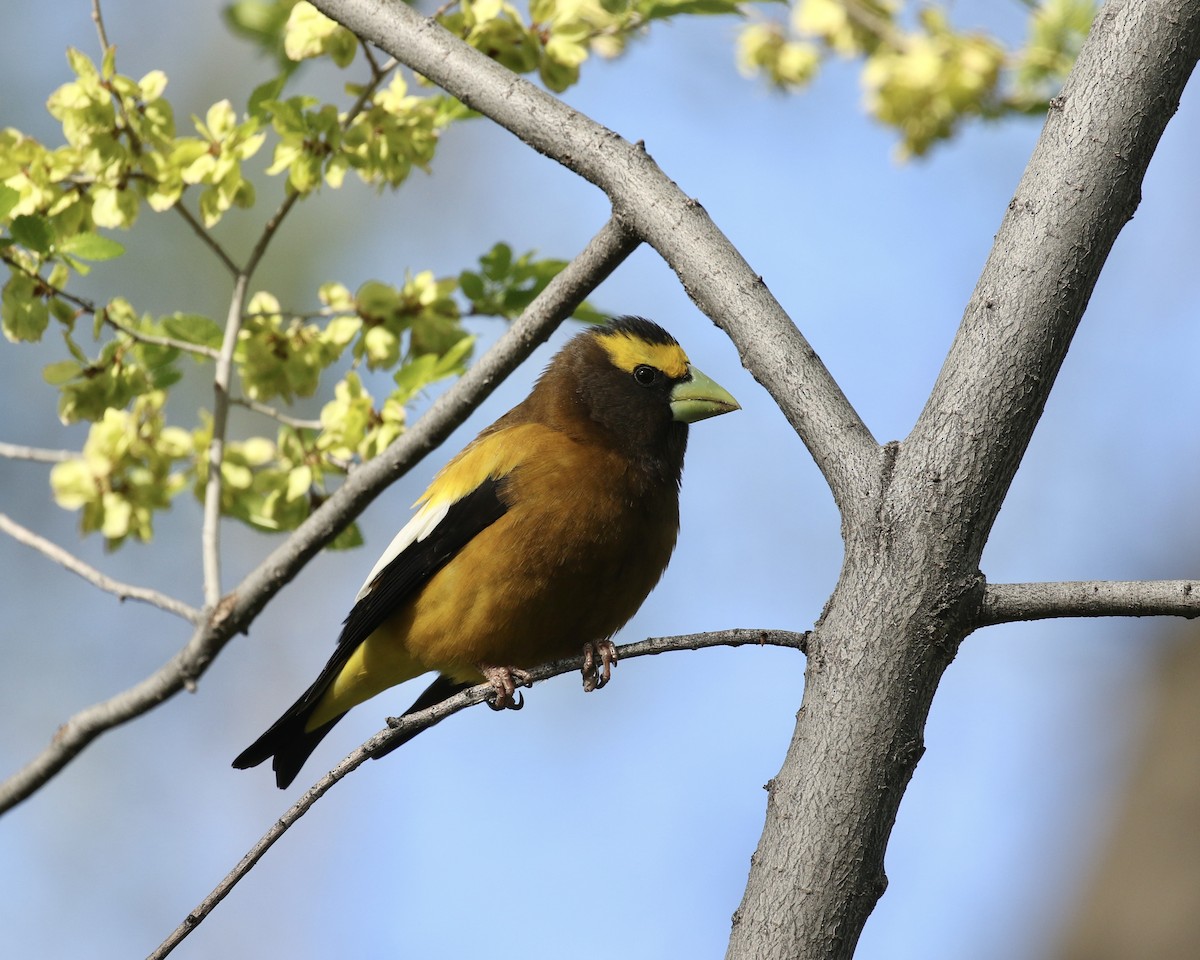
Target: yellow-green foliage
[
  {"x": 122, "y": 154},
  {"x": 924, "y": 79}
]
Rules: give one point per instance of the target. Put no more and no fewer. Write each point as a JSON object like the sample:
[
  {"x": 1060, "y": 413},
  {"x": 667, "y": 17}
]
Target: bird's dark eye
[{"x": 646, "y": 375}]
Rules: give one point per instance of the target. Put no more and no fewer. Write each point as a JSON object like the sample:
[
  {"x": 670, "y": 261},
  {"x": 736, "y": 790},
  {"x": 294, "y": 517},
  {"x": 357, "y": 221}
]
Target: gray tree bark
[{"x": 910, "y": 589}]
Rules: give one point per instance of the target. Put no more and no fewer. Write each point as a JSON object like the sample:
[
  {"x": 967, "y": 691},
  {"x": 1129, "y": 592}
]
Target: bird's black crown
[{"x": 641, "y": 328}]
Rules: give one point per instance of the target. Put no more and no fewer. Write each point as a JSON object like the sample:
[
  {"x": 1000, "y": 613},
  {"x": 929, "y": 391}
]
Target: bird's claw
[
  {"x": 504, "y": 682},
  {"x": 494, "y": 703},
  {"x": 598, "y": 660}
]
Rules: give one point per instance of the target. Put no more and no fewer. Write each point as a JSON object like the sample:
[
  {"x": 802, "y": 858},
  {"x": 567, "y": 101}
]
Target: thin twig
[
  {"x": 268, "y": 233},
  {"x": 404, "y": 728},
  {"x": 98, "y": 20},
  {"x": 123, "y": 591},
  {"x": 378, "y": 73},
  {"x": 155, "y": 340},
  {"x": 237, "y": 611},
  {"x": 1010, "y": 602},
  {"x": 87, "y": 306},
  {"x": 274, "y": 414},
  {"x": 207, "y": 238},
  {"x": 17, "y": 452},
  {"x": 210, "y": 533}
]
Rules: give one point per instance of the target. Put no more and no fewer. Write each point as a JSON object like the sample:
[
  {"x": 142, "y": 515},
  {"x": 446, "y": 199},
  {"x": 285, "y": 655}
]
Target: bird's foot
[
  {"x": 504, "y": 681},
  {"x": 598, "y": 660}
]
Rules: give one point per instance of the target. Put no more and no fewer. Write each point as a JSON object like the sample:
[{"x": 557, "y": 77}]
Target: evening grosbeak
[{"x": 542, "y": 537}]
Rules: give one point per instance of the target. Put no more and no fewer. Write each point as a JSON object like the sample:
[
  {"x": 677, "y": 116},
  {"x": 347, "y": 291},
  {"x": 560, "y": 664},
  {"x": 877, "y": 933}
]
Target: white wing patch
[{"x": 417, "y": 529}]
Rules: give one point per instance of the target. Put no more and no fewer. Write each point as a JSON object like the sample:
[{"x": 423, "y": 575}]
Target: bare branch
[
  {"x": 88, "y": 307},
  {"x": 405, "y": 728},
  {"x": 18, "y": 452},
  {"x": 711, "y": 269},
  {"x": 207, "y": 238},
  {"x": 378, "y": 75},
  {"x": 198, "y": 349},
  {"x": 237, "y": 611},
  {"x": 122, "y": 591},
  {"x": 210, "y": 534},
  {"x": 277, "y": 415},
  {"x": 1009, "y": 602},
  {"x": 98, "y": 20}
]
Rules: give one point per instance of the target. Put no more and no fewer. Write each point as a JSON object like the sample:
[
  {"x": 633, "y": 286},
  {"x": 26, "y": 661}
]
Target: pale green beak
[{"x": 698, "y": 398}]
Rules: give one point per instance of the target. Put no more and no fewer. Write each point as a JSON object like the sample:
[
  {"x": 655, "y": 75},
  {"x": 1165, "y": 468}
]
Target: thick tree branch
[
  {"x": 405, "y": 728},
  {"x": 910, "y": 586},
  {"x": 123, "y": 591},
  {"x": 1080, "y": 188},
  {"x": 710, "y": 268},
  {"x": 238, "y": 609},
  {"x": 1009, "y": 602}
]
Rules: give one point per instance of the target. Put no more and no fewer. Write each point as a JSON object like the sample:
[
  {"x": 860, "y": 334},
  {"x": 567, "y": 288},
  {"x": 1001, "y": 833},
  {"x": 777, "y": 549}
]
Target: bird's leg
[
  {"x": 596, "y": 675},
  {"x": 504, "y": 681}
]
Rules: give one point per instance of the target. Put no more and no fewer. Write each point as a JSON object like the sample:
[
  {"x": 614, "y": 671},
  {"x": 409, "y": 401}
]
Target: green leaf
[
  {"x": 33, "y": 232},
  {"x": 62, "y": 311},
  {"x": 78, "y": 266},
  {"x": 74, "y": 348},
  {"x": 471, "y": 285},
  {"x": 586, "y": 313},
  {"x": 660, "y": 10},
  {"x": 260, "y": 22},
  {"x": 349, "y": 538},
  {"x": 59, "y": 373},
  {"x": 497, "y": 262},
  {"x": 23, "y": 313},
  {"x": 193, "y": 328},
  {"x": 91, "y": 246},
  {"x": 165, "y": 376},
  {"x": 9, "y": 198},
  {"x": 264, "y": 94},
  {"x": 429, "y": 368},
  {"x": 108, "y": 64}
]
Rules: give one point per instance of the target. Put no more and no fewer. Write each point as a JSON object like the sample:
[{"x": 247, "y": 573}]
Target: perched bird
[{"x": 540, "y": 538}]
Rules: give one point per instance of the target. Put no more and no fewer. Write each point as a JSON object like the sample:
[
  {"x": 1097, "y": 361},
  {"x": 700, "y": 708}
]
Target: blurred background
[{"x": 621, "y": 824}]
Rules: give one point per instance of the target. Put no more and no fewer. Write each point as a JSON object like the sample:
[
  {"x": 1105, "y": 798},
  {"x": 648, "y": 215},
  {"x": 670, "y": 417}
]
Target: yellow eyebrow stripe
[{"x": 628, "y": 351}]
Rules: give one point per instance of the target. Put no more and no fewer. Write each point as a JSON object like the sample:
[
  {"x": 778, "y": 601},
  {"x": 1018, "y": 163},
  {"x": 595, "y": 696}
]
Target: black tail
[
  {"x": 287, "y": 741},
  {"x": 291, "y": 745}
]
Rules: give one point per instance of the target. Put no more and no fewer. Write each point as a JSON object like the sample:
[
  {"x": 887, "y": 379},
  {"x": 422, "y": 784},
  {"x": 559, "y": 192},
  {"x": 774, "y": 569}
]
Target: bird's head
[{"x": 632, "y": 379}]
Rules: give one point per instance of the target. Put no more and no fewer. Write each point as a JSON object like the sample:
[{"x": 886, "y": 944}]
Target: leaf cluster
[
  {"x": 122, "y": 155},
  {"x": 924, "y": 79}
]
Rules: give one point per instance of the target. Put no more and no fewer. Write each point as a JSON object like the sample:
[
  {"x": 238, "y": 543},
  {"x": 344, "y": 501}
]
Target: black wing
[
  {"x": 419, "y": 561},
  {"x": 287, "y": 740}
]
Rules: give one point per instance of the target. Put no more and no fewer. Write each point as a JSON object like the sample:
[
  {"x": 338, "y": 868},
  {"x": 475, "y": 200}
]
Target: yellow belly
[{"x": 568, "y": 563}]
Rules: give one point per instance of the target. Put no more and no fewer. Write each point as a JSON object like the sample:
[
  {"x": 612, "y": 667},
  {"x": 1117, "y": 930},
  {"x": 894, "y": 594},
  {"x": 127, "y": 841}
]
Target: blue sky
[{"x": 619, "y": 823}]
